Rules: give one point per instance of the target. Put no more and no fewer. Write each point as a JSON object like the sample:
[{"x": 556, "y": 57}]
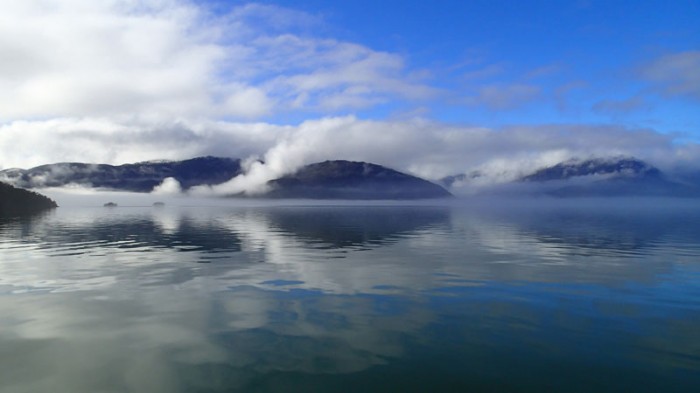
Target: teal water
[{"x": 509, "y": 297}]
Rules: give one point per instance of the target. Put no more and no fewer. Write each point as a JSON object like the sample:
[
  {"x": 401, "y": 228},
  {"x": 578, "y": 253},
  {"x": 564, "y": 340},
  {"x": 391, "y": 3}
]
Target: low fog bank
[
  {"x": 71, "y": 197},
  {"x": 83, "y": 197},
  {"x": 421, "y": 148},
  {"x": 590, "y": 205},
  {"x": 79, "y": 197}
]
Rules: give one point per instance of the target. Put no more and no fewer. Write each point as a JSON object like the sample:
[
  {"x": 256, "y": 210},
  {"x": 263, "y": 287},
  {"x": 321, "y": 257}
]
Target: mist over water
[{"x": 257, "y": 296}]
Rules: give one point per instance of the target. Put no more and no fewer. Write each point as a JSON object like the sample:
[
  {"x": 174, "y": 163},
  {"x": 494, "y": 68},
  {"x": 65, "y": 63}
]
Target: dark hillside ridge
[
  {"x": 18, "y": 202},
  {"x": 597, "y": 177},
  {"x": 326, "y": 180},
  {"x": 353, "y": 180},
  {"x": 617, "y": 176},
  {"x": 139, "y": 177},
  {"x": 623, "y": 167}
]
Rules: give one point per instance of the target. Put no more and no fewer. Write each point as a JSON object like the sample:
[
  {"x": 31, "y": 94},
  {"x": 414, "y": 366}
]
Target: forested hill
[
  {"x": 138, "y": 177},
  {"x": 18, "y": 202},
  {"x": 352, "y": 180}
]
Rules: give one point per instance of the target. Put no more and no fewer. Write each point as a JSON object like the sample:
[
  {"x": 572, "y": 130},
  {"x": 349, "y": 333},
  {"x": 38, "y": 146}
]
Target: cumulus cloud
[
  {"x": 81, "y": 58},
  {"x": 175, "y": 58},
  {"x": 26, "y": 144}
]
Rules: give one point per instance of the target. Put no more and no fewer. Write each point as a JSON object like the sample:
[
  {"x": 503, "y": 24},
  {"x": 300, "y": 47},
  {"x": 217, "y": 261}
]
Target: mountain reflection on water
[{"x": 346, "y": 298}]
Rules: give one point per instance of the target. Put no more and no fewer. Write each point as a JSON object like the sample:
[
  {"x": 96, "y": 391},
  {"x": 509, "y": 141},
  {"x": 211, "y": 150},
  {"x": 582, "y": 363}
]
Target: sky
[{"x": 430, "y": 88}]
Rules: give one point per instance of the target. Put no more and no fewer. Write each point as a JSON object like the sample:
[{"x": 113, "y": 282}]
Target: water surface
[{"x": 574, "y": 297}]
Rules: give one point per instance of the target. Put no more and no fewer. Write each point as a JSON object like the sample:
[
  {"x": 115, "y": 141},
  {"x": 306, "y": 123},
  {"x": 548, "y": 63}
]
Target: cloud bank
[
  {"x": 170, "y": 58},
  {"x": 422, "y": 147}
]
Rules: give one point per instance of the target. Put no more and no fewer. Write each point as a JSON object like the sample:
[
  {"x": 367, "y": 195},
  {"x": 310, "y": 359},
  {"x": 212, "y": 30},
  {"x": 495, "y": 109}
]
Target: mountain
[
  {"x": 618, "y": 167},
  {"x": 449, "y": 181},
  {"x": 330, "y": 179},
  {"x": 352, "y": 180},
  {"x": 616, "y": 176},
  {"x": 18, "y": 202},
  {"x": 608, "y": 176},
  {"x": 139, "y": 177}
]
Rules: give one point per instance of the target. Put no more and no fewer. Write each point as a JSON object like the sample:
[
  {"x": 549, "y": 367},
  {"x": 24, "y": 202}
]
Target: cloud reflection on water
[
  {"x": 381, "y": 246},
  {"x": 300, "y": 291}
]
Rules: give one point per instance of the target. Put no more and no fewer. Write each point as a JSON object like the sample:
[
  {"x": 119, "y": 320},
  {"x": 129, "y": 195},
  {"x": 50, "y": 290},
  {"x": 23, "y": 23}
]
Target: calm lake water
[{"x": 576, "y": 296}]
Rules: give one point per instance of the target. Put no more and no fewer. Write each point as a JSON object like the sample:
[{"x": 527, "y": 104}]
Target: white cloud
[
  {"x": 174, "y": 59},
  {"x": 79, "y": 58},
  {"x": 422, "y": 147},
  {"x": 169, "y": 186},
  {"x": 329, "y": 74},
  {"x": 247, "y": 102},
  {"x": 26, "y": 144}
]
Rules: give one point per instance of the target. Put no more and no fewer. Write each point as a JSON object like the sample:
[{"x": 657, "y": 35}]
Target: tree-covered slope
[
  {"x": 138, "y": 177},
  {"x": 17, "y": 202},
  {"x": 353, "y": 180}
]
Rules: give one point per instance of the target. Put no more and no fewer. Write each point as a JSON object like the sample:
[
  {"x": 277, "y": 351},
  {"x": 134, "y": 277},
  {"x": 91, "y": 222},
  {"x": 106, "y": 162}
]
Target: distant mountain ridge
[
  {"x": 338, "y": 179},
  {"x": 616, "y": 176},
  {"x": 353, "y": 180},
  {"x": 325, "y": 180},
  {"x": 138, "y": 177},
  {"x": 602, "y": 176},
  {"x": 627, "y": 167}
]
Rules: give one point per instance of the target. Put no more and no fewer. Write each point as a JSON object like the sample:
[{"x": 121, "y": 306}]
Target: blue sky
[
  {"x": 559, "y": 61},
  {"x": 434, "y": 89}
]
